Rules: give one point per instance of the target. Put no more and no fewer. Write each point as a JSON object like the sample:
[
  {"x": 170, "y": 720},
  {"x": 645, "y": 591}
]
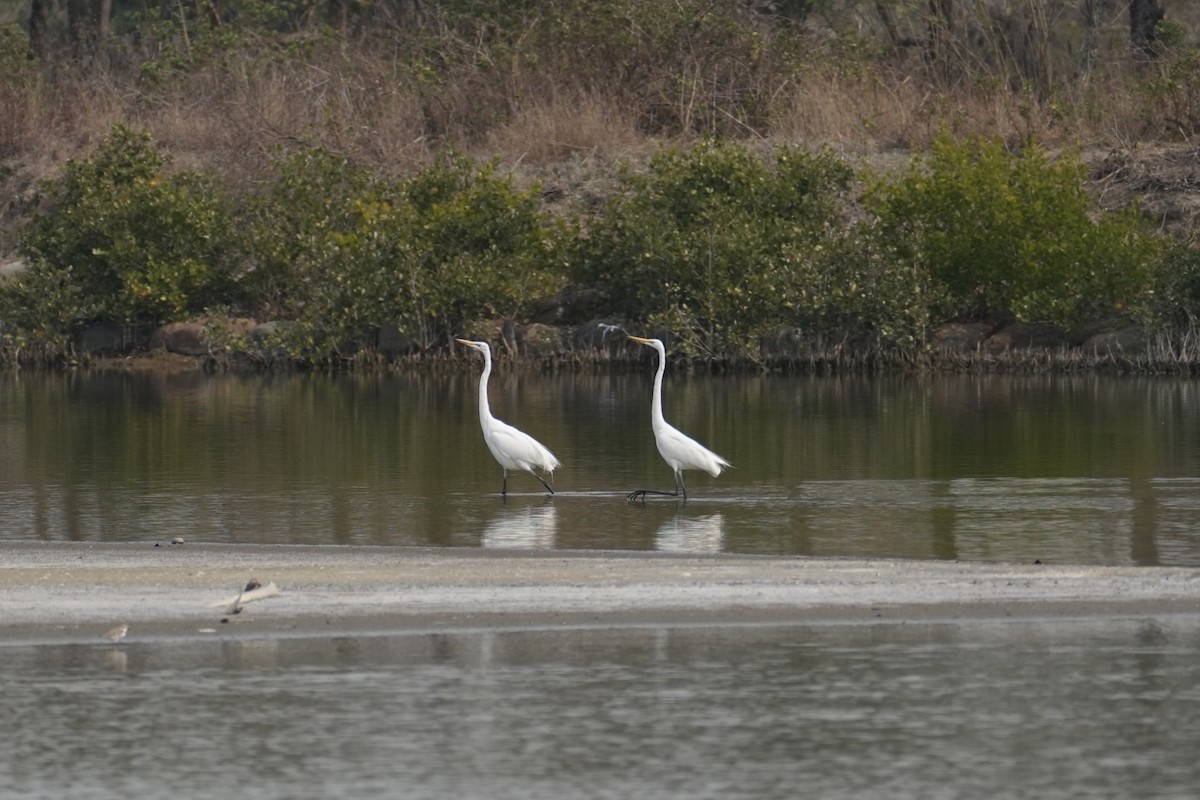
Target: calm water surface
[
  {"x": 986, "y": 710},
  {"x": 1082, "y": 469}
]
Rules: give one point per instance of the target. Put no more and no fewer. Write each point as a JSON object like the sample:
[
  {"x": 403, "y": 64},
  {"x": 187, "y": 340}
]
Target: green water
[{"x": 1080, "y": 469}]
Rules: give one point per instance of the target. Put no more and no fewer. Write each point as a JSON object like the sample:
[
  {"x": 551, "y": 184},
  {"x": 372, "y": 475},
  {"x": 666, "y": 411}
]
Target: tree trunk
[
  {"x": 939, "y": 45},
  {"x": 1093, "y": 16},
  {"x": 1144, "y": 15},
  {"x": 1036, "y": 64},
  {"x": 210, "y": 10},
  {"x": 37, "y": 28},
  {"x": 338, "y": 15},
  {"x": 105, "y": 18},
  {"x": 83, "y": 25},
  {"x": 887, "y": 15}
]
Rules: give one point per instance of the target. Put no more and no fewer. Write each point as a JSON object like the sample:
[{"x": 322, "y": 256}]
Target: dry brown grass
[
  {"x": 563, "y": 125},
  {"x": 556, "y": 119},
  {"x": 227, "y": 121},
  {"x": 231, "y": 123}
]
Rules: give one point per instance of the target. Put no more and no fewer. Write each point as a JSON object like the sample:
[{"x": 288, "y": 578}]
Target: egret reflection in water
[
  {"x": 532, "y": 527},
  {"x": 1092, "y": 470},
  {"x": 685, "y": 534}
]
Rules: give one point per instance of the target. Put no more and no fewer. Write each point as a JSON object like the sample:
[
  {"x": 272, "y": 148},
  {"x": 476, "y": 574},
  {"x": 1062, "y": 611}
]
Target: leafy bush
[
  {"x": 314, "y": 197},
  {"x": 179, "y": 42},
  {"x": 124, "y": 242},
  {"x": 1176, "y": 296},
  {"x": 707, "y": 241},
  {"x": 719, "y": 244},
  {"x": 1004, "y": 233},
  {"x": 344, "y": 252},
  {"x": 38, "y": 308},
  {"x": 854, "y": 286},
  {"x": 478, "y": 249},
  {"x": 1172, "y": 94}
]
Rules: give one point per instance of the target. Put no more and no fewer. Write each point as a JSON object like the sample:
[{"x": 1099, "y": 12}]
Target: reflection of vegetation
[
  {"x": 389, "y": 460},
  {"x": 189, "y": 430},
  {"x": 297, "y": 432},
  {"x": 305, "y": 432}
]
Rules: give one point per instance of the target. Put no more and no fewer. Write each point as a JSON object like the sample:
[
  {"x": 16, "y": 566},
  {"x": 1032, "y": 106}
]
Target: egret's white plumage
[
  {"x": 678, "y": 450},
  {"x": 514, "y": 449}
]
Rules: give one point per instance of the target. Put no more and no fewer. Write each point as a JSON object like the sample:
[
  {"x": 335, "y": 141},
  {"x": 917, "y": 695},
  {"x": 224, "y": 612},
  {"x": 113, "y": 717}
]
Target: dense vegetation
[
  {"x": 717, "y": 244},
  {"x": 719, "y": 229}
]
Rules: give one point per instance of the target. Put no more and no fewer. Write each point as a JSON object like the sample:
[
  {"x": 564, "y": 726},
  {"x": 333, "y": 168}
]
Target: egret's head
[
  {"x": 655, "y": 343},
  {"x": 480, "y": 346}
]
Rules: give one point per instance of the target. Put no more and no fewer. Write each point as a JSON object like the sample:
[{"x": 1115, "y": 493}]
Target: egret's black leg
[
  {"x": 504, "y": 485},
  {"x": 539, "y": 477},
  {"x": 640, "y": 494},
  {"x": 680, "y": 486}
]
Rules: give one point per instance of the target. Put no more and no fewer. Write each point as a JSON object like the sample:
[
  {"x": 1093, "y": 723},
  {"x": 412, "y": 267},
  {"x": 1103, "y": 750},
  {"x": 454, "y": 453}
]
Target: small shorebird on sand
[
  {"x": 236, "y": 606},
  {"x": 117, "y": 633}
]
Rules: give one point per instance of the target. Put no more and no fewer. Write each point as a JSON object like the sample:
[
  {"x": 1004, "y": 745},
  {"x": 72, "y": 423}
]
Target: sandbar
[{"x": 75, "y": 591}]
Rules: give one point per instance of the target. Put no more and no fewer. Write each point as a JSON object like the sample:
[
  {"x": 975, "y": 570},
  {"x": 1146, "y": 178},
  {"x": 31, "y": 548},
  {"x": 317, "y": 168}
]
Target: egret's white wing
[
  {"x": 683, "y": 452},
  {"x": 515, "y": 449}
]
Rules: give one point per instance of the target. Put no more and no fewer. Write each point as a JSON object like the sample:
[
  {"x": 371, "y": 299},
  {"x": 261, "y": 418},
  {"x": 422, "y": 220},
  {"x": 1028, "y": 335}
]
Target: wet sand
[{"x": 61, "y": 591}]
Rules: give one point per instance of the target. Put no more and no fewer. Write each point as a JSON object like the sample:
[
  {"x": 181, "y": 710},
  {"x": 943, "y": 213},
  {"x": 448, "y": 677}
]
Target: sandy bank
[{"x": 71, "y": 591}]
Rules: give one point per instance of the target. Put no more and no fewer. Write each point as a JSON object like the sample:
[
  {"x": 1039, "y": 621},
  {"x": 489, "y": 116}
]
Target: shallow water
[
  {"x": 1068, "y": 470},
  {"x": 1078, "y": 469},
  {"x": 1068, "y": 709}
]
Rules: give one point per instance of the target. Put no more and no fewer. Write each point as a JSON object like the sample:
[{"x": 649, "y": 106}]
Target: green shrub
[
  {"x": 39, "y": 307},
  {"x": 1005, "y": 233},
  {"x": 1172, "y": 94},
  {"x": 125, "y": 242},
  {"x": 313, "y": 197},
  {"x": 344, "y": 252},
  {"x": 1176, "y": 297},
  {"x": 701, "y": 242},
  {"x": 479, "y": 247},
  {"x": 179, "y": 42},
  {"x": 853, "y": 286}
]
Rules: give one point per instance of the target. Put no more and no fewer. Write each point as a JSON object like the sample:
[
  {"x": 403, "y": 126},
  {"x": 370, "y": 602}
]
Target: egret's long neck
[
  {"x": 656, "y": 412},
  {"x": 485, "y": 410}
]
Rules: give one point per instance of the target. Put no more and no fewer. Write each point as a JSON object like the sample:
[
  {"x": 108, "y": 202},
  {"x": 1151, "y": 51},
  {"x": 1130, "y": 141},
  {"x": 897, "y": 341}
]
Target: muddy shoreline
[{"x": 74, "y": 592}]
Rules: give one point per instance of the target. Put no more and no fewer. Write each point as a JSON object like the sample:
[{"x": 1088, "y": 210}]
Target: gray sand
[{"x": 59, "y": 591}]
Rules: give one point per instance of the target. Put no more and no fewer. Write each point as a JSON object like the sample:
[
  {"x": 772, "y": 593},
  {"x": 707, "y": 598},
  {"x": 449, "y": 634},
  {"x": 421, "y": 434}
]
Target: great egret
[
  {"x": 679, "y": 451},
  {"x": 514, "y": 449}
]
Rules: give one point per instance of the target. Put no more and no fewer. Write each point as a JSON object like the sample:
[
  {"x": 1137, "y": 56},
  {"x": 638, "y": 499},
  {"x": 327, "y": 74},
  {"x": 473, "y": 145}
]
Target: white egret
[
  {"x": 514, "y": 449},
  {"x": 679, "y": 451}
]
